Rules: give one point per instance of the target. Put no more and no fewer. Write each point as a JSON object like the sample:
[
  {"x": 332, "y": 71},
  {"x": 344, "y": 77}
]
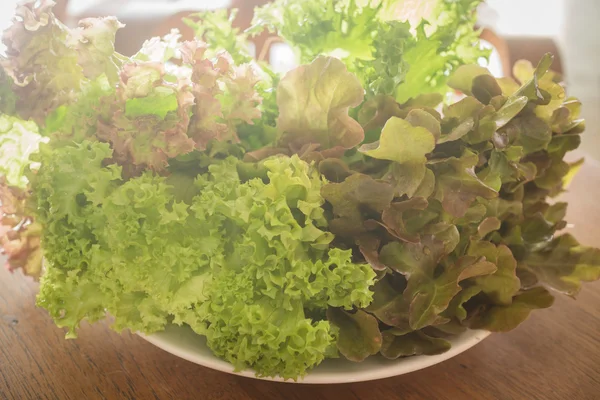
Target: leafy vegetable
[
  {"x": 402, "y": 142},
  {"x": 563, "y": 264},
  {"x": 399, "y": 344},
  {"x": 346, "y": 208},
  {"x": 351, "y": 198},
  {"x": 216, "y": 29},
  {"x": 359, "y": 333},
  {"x": 502, "y": 285},
  {"x": 428, "y": 295},
  {"x": 505, "y": 318},
  {"x": 19, "y": 235},
  {"x": 242, "y": 271},
  {"x": 313, "y": 101},
  {"x": 390, "y": 57},
  {"x": 18, "y": 140}
]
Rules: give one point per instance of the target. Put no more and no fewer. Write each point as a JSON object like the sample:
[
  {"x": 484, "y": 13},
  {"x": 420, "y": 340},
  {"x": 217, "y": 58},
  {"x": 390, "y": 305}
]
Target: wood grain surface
[{"x": 554, "y": 355}]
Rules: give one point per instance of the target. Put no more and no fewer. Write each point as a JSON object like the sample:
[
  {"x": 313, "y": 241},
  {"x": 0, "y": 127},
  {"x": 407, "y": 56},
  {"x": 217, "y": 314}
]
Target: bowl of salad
[{"x": 377, "y": 209}]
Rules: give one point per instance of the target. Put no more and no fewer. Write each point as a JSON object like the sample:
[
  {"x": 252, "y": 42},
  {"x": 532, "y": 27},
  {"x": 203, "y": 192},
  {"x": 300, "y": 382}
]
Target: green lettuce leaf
[
  {"x": 503, "y": 284},
  {"x": 508, "y": 317},
  {"x": 563, "y": 264},
  {"x": 359, "y": 333},
  {"x": 313, "y": 105},
  {"x": 7, "y": 97},
  {"x": 457, "y": 184},
  {"x": 429, "y": 293},
  {"x": 400, "y": 344},
  {"x": 317, "y": 27},
  {"x": 351, "y": 197},
  {"x": 401, "y": 142}
]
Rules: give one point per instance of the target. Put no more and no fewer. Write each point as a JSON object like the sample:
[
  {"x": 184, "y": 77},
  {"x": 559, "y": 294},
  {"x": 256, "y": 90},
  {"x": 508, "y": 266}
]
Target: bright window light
[
  {"x": 7, "y": 10},
  {"x": 528, "y": 17},
  {"x": 494, "y": 64},
  {"x": 282, "y": 57}
]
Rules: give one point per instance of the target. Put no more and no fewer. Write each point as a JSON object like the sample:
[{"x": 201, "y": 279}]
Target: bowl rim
[{"x": 460, "y": 344}]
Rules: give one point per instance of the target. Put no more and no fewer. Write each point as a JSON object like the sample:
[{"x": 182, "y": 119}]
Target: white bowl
[{"x": 183, "y": 342}]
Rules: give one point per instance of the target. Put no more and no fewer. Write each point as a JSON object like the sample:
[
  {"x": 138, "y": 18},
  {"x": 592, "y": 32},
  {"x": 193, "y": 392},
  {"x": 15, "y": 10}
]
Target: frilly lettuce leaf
[
  {"x": 317, "y": 27},
  {"x": 95, "y": 45},
  {"x": 49, "y": 63},
  {"x": 402, "y": 142},
  {"x": 216, "y": 28},
  {"x": 43, "y": 66},
  {"x": 313, "y": 105},
  {"x": 18, "y": 140},
  {"x": 359, "y": 333},
  {"x": 428, "y": 293},
  {"x": 161, "y": 49},
  {"x": 351, "y": 198},
  {"x": 73, "y": 81},
  {"x": 508, "y": 317},
  {"x": 78, "y": 121},
  {"x": 277, "y": 241},
  {"x": 502, "y": 285},
  {"x": 240, "y": 99},
  {"x": 563, "y": 265},
  {"x": 224, "y": 95},
  {"x": 19, "y": 234},
  {"x": 400, "y": 344},
  {"x": 149, "y": 118},
  {"x": 457, "y": 184},
  {"x": 389, "y": 67}
]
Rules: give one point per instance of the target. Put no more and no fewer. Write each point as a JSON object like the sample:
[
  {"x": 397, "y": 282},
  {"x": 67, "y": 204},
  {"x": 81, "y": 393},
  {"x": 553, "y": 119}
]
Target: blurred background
[{"x": 514, "y": 29}]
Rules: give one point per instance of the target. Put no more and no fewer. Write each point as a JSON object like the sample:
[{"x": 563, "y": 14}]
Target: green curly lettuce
[
  {"x": 393, "y": 48},
  {"x": 246, "y": 263},
  {"x": 278, "y": 266}
]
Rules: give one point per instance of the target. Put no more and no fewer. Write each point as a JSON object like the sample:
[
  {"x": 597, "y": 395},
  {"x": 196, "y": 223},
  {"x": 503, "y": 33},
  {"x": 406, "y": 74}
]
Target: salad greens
[{"x": 348, "y": 208}]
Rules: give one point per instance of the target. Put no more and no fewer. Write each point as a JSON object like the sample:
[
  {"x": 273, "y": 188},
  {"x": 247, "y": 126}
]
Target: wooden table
[{"x": 554, "y": 355}]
